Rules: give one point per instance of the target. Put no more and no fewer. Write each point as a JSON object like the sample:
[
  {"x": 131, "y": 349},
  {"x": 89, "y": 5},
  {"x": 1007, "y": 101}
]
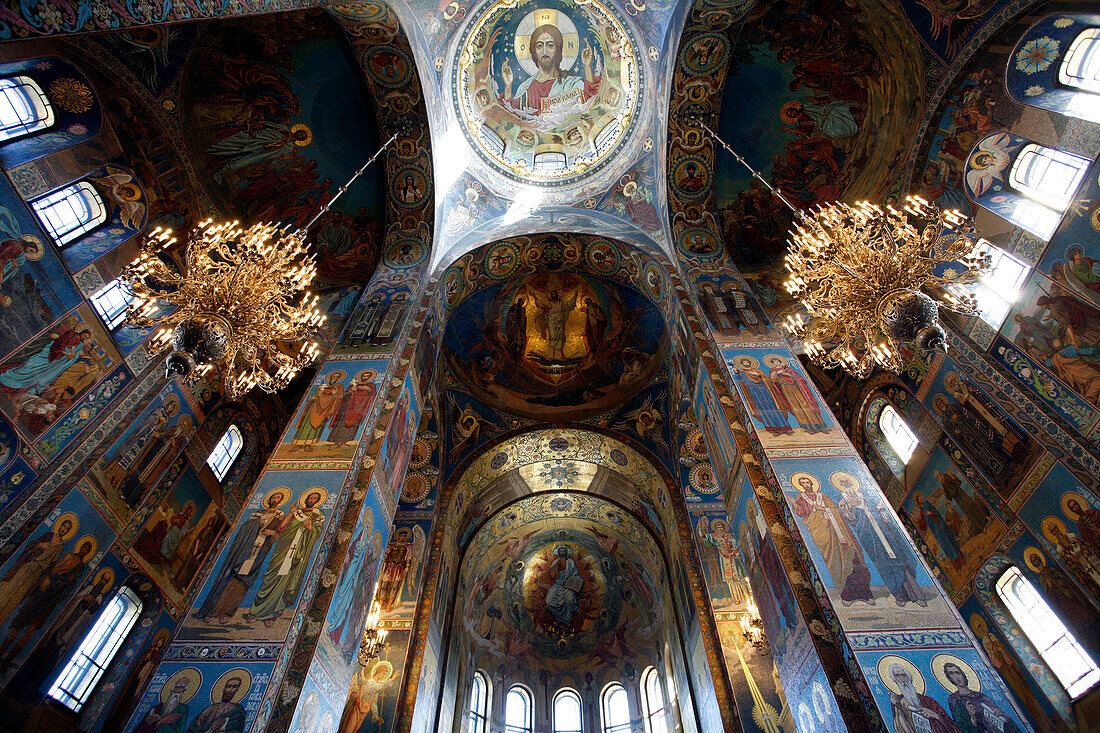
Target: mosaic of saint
[
  {"x": 547, "y": 89},
  {"x": 555, "y": 343}
]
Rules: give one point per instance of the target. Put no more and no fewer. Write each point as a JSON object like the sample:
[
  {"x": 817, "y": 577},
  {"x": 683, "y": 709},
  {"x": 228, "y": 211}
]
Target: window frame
[
  {"x": 562, "y": 694},
  {"x": 520, "y": 691},
  {"x": 35, "y": 98},
  {"x": 93, "y": 201},
  {"x": 654, "y": 718},
  {"x": 606, "y": 724},
  {"x": 219, "y": 465},
  {"x": 889, "y": 434},
  {"x": 1021, "y": 181},
  {"x": 478, "y": 715},
  {"x": 1075, "y": 57},
  {"x": 1046, "y": 632},
  {"x": 80, "y": 675},
  {"x": 114, "y": 319},
  {"x": 990, "y": 292}
]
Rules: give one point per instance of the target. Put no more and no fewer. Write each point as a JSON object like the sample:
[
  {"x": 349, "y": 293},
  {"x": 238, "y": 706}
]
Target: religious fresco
[
  {"x": 44, "y": 572},
  {"x": 402, "y": 569},
  {"x": 375, "y": 689},
  {"x": 127, "y": 213},
  {"x": 266, "y": 99},
  {"x": 547, "y": 89},
  {"x": 262, "y": 569},
  {"x": 866, "y": 561},
  {"x": 144, "y": 451},
  {"x": 940, "y": 691},
  {"x": 952, "y": 519},
  {"x": 393, "y": 458},
  {"x": 376, "y": 323},
  {"x": 177, "y": 536},
  {"x": 555, "y": 344},
  {"x": 327, "y": 427},
  {"x": 185, "y": 697}
]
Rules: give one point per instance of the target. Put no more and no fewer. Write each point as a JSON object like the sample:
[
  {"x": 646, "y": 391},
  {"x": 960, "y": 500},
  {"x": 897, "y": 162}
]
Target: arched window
[
  {"x": 112, "y": 303},
  {"x": 86, "y": 666},
  {"x": 614, "y": 709},
  {"x": 549, "y": 161},
  {"x": 225, "y": 452},
  {"x": 897, "y": 433},
  {"x": 567, "y": 712},
  {"x": 999, "y": 289},
  {"x": 69, "y": 212},
  {"x": 653, "y": 702},
  {"x": 1046, "y": 175},
  {"x": 1080, "y": 67},
  {"x": 479, "y": 703},
  {"x": 1071, "y": 664},
  {"x": 518, "y": 712},
  {"x": 24, "y": 108}
]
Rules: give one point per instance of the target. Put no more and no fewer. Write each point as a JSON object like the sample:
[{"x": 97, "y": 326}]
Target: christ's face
[{"x": 546, "y": 51}]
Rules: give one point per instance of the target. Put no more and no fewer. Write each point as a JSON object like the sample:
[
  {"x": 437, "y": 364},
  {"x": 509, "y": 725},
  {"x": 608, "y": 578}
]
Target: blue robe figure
[{"x": 563, "y": 594}]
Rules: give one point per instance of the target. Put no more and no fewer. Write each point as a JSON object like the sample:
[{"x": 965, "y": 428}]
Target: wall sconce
[
  {"x": 374, "y": 638},
  {"x": 752, "y": 628}
]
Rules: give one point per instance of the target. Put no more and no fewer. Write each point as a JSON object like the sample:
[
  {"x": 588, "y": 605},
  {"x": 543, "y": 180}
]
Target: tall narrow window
[
  {"x": 1071, "y": 664},
  {"x": 1046, "y": 175},
  {"x": 225, "y": 452},
  {"x": 1080, "y": 66},
  {"x": 567, "y": 712},
  {"x": 70, "y": 212},
  {"x": 479, "y": 703},
  {"x": 86, "y": 666},
  {"x": 897, "y": 432},
  {"x": 999, "y": 289},
  {"x": 23, "y": 108},
  {"x": 518, "y": 715},
  {"x": 112, "y": 302},
  {"x": 653, "y": 703},
  {"x": 615, "y": 709}
]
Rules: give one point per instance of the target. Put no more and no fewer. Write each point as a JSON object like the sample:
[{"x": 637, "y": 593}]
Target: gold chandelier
[
  {"x": 241, "y": 303},
  {"x": 861, "y": 272}
]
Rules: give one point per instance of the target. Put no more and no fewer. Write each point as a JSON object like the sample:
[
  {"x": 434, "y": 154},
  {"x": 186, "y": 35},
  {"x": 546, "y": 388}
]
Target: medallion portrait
[{"x": 547, "y": 90}]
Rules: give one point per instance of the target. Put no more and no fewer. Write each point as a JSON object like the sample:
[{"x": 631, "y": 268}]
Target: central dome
[{"x": 546, "y": 90}]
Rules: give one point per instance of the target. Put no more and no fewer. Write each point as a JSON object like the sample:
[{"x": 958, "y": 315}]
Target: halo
[
  {"x": 546, "y": 16},
  {"x": 194, "y": 680},
  {"x": 725, "y": 527},
  {"x": 1050, "y": 522},
  {"x": 938, "y": 663},
  {"x": 789, "y": 112},
  {"x": 172, "y": 404},
  {"x": 370, "y": 373},
  {"x": 890, "y": 660},
  {"x": 1080, "y": 501},
  {"x": 383, "y": 664},
  {"x": 185, "y": 423},
  {"x": 88, "y": 538},
  {"x": 976, "y": 619},
  {"x": 747, "y": 362},
  {"x": 163, "y": 634},
  {"x": 795, "y": 478},
  {"x": 630, "y": 188},
  {"x": 316, "y": 489},
  {"x": 954, "y": 377},
  {"x": 309, "y": 134},
  {"x": 1034, "y": 559},
  {"x": 246, "y": 684},
  {"x": 329, "y": 377},
  {"x": 282, "y": 492},
  {"x": 71, "y": 516},
  {"x": 835, "y": 477},
  {"x": 776, "y": 360},
  {"x": 39, "y": 249},
  {"x": 108, "y": 573}
]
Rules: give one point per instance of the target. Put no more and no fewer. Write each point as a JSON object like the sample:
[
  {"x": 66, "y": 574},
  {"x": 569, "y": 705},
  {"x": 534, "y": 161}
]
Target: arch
[
  {"x": 70, "y": 212},
  {"x": 1044, "y": 69},
  {"x": 481, "y": 696},
  {"x": 614, "y": 709},
  {"x": 653, "y": 701},
  {"x": 519, "y": 710},
  {"x": 566, "y": 716},
  {"x": 899, "y": 435},
  {"x": 24, "y": 108}
]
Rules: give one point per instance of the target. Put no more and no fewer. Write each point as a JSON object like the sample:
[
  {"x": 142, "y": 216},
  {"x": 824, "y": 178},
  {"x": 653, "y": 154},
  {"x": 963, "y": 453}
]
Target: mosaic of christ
[{"x": 547, "y": 89}]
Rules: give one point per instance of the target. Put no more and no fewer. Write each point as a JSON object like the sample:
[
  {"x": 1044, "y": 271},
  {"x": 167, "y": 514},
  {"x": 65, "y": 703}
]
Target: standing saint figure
[
  {"x": 712, "y": 562},
  {"x": 878, "y": 534},
  {"x": 319, "y": 409},
  {"x": 515, "y": 328},
  {"x": 834, "y": 539},
  {"x": 286, "y": 571},
  {"x": 225, "y": 714},
  {"x": 915, "y": 712},
  {"x": 766, "y": 403},
  {"x": 551, "y": 86},
  {"x": 170, "y": 714},
  {"x": 928, "y": 519},
  {"x": 551, "y": 319},
  {"x": 793, "y": 394},
  {"x": 27, "y": 572},
  {"x": 245, "y": 558},
  {"x": 972, "y": 710},
  {"x": 394, "y": 567},
  {"x": 353, "y": 409}
]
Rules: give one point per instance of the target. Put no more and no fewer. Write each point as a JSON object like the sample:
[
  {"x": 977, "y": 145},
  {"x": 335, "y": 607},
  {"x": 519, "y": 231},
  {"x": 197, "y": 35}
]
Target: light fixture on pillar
[
  {"x": 866, "y": 276},
  {"x": 241, "y": 303},
  {"x": 374, "y": 638},
  {"x": 752, "y": 628}
]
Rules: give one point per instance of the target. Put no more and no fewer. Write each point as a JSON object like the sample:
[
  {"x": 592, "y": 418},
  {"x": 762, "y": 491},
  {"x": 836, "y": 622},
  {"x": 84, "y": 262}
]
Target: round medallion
[
  {"x": 602, "y": 257},
  {"x": 619, "y": 457},
  {"x": 416, "y": 488},
  {"x": 547, "y": 89},
  {"x": 498, "y": 461},
  {"x": 696, "y": 446},
  {"x": 502, "y": 260},
  {"x": 421, "y": 453},
  {"x": 703, "y": 479}
]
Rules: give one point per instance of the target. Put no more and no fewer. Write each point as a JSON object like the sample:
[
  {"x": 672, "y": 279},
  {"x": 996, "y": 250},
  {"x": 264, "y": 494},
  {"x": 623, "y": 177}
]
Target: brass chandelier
[
  {"x": 863, "y": 273},
  {"x": 240, "y": 305}
]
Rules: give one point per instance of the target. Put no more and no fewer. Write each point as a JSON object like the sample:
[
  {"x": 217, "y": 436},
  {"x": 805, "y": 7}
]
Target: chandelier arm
[
  {"x": 775, "y": 191},
  {"x": 340, "y": 191}
]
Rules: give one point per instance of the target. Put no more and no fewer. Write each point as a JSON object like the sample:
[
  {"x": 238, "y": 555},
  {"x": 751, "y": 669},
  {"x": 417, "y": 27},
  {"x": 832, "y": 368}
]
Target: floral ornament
[
  {"x": 1063, "y": 23},
  {"x": 71, "y": 95},
  {"x": 1037, "y": 55},
  {"x": 1034, "y": 90}
]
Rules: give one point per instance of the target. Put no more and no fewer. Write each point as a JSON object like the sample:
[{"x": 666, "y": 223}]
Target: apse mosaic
[{"x": 547, "y": 89}]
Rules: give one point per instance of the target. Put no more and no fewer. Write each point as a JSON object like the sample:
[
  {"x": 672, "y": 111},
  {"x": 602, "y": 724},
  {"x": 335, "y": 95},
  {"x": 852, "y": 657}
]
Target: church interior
[{"x": 557, "y": 467}]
